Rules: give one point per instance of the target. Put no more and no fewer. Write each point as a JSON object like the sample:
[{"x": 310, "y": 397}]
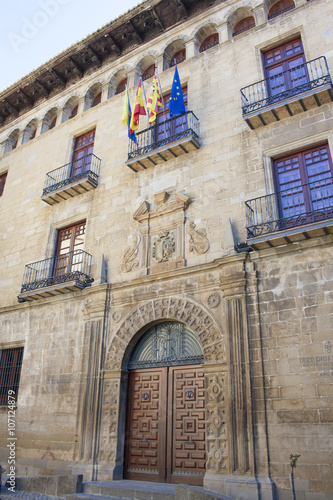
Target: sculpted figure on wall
[
  {"x": 198, "y": 239},
  {"x": 130, "y": 260}
]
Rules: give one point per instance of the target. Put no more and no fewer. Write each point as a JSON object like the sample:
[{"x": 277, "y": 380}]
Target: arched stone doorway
[
  {"x": 165, "y": 430},
  {"x": 115, "y": 381}
]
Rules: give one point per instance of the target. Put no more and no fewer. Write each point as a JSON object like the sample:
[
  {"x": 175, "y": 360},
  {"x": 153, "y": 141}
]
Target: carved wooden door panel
[
  {"x": 186, "y": 448},
  {"x": 165, "y": 438},
  {"x": 146, "y": 434}
]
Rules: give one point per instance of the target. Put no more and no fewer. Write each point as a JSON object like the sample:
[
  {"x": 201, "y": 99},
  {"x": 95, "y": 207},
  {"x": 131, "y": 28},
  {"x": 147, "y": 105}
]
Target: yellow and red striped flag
[
  {"x": 154, "y": 100},
  {"x": 138, "y": 109}
]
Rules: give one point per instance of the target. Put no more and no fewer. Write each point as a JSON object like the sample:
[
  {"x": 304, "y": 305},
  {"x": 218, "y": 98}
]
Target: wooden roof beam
[
  {"x": 181, "y": 9},
  {"x": 157, "y": 20},
  {"x": 78, "y": 70},
  {"x": 135, "y": 34},
  {"x": 95, "y": 55},
  {"x": 42, "y": 88},
  {"x": 58, "y": 76}
]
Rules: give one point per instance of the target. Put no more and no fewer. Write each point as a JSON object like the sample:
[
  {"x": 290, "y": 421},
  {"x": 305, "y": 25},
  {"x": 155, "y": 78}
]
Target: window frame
[
  {"x": 284, "y": 66},
  {"x": 302, "y": 185},
  {"x": 164, "y": 115},
  {"x": 206, "y": 45},
  {"x": 278, "y": 8},
  {"x": 238, "y": 30},
  {"x": 12, "y": 381},
  {"x": 3, "y": 178},
  {"x": 82, "y": 153},
  {"x": 66, "y": 261}
]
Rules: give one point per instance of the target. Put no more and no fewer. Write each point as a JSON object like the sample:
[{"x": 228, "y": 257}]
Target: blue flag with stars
[{"x": 176, "y": 103}]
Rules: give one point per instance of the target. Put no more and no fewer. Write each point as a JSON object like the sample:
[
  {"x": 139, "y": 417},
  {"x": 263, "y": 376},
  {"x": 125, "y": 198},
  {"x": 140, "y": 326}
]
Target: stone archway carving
[
  {"x": 202, "y": 323},
  {"x": 187, "y": 311}
]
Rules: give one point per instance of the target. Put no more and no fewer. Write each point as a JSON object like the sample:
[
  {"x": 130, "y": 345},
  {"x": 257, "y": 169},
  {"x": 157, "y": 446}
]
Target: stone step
[
  {"x": 125, "y": 490},
  {"x": 141, "y": 490}
]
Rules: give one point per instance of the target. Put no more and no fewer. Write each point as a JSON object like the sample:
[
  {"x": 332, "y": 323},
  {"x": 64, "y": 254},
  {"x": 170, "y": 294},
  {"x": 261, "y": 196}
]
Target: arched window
[
  {"x": 30, "y": 131},
  {"x": 74, "y": 111},
  {"x": 149, "y": 72},
  {"x": 12, "y": 141},
  {"x": 280, "y": 7},
  {"x": 121, "y": 86},
  {"x": 167, "y": 344},
  {"x": 97, "y": 99},
  {"x": 244, "y": 25},
  {"x": 179, "y": 56},
  {"x": 209, "y": 42}
]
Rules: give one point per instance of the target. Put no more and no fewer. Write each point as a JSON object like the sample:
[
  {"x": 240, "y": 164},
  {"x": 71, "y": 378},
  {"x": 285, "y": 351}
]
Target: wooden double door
[{"x": 165, "y": 436}]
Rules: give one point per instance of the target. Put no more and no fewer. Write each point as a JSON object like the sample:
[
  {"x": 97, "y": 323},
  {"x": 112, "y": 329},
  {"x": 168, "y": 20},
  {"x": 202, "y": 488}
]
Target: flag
[
  {"x": 176, "y": 103},
  {"x": 138, "y": 108},
  {"x": 127, "y": 115},
  {"x": 154, "y": 100}
]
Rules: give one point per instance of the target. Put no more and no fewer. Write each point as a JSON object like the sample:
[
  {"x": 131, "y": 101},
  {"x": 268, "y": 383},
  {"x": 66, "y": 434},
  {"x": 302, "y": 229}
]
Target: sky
[{"x": 34, "y": 31}]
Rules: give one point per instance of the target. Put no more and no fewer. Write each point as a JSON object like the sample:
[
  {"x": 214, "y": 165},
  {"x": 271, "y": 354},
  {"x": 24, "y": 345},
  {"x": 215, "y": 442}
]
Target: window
[
  {"x": 165, "y": 128},
  {"x": 74, "y": 111},
  {"x": 280, "y": 7},
  {"x": 149, "y": 72},
  {"x": 69, "y": 255},
  {"x": 209, "y": 42},
  {"x": 122, "y": 86},
  {"x": 3, "y": 178},
  {"x": 82, "y": 155},
  {"x": 97, "y": 99},
  {"x": 10, "y": 371},
  {"x": 179, "y": 56},
  {"x": 304, "y": 181},
  {"x": 244, "y": 25},
  {"x": 285, "y": 67}
]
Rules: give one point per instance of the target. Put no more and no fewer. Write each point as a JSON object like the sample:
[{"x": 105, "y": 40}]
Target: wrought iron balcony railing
[
  {"x": 155, "y": 137},
  {"x": 294, "y": 207},
  {"x": 300, "y": 79},
  {"x": 70, "y": 267},
  {"x": 73, "y": 172}
]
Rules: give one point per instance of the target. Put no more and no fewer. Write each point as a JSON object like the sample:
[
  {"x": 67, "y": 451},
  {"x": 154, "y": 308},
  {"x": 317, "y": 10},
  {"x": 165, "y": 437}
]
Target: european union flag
[{"x": 176, "y": 103}]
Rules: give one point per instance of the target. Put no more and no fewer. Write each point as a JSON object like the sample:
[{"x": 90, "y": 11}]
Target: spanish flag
[
  {"x": 138, "y": 109},
  {"x": 154, "y": 100},
  {"x": 127, "y": 115}
]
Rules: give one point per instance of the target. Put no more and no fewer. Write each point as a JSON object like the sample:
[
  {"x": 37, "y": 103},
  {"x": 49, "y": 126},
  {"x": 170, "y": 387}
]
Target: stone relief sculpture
[
  {"x": 130, "y": 260},
  {"x": 198, "y": 239}
]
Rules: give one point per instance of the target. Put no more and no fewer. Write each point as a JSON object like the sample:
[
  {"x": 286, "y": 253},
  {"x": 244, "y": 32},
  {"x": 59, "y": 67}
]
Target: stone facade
[{"x": 169, "y": 243}]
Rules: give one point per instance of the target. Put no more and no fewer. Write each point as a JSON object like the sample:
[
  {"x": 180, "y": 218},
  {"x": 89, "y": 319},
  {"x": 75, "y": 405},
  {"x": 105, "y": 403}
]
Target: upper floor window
[
  {"x": 74, "y": 111},
  {"x": 179, "y": 57},
  {"x": 82, "y": 154},
  {"x": 97, "y": 99},
  {"x": 10, "y": 371},
  {"x": 149, "y": 72},
  {"x": 164, "y": 126},
  {"x": 304, "y": 182},
  {"x": 280, "y": 7},
  {"x": 245, "y": 24},
  {"x": 3, "y": 178},
  {"x": 209, "y": 42},
  {"x": 70, "y": 244},
  {"x": 285, "y": 67},
  {"x": 121, "y": 86},
  {"x": 12, "y": 141}
]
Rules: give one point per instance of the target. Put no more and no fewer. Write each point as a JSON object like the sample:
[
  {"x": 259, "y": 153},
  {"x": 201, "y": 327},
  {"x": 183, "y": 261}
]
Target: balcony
[
  {"x": 285, "y": 94},
  {"x": 165, "y": 141},
  {"x": 71, "y": 179},
  {"x": 296, "y": 214},
  {"x": 57, "y": 275}
]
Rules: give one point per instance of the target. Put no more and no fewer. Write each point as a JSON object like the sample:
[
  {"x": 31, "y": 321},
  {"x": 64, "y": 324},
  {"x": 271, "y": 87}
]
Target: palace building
[{"x": 166, "y": 303}]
